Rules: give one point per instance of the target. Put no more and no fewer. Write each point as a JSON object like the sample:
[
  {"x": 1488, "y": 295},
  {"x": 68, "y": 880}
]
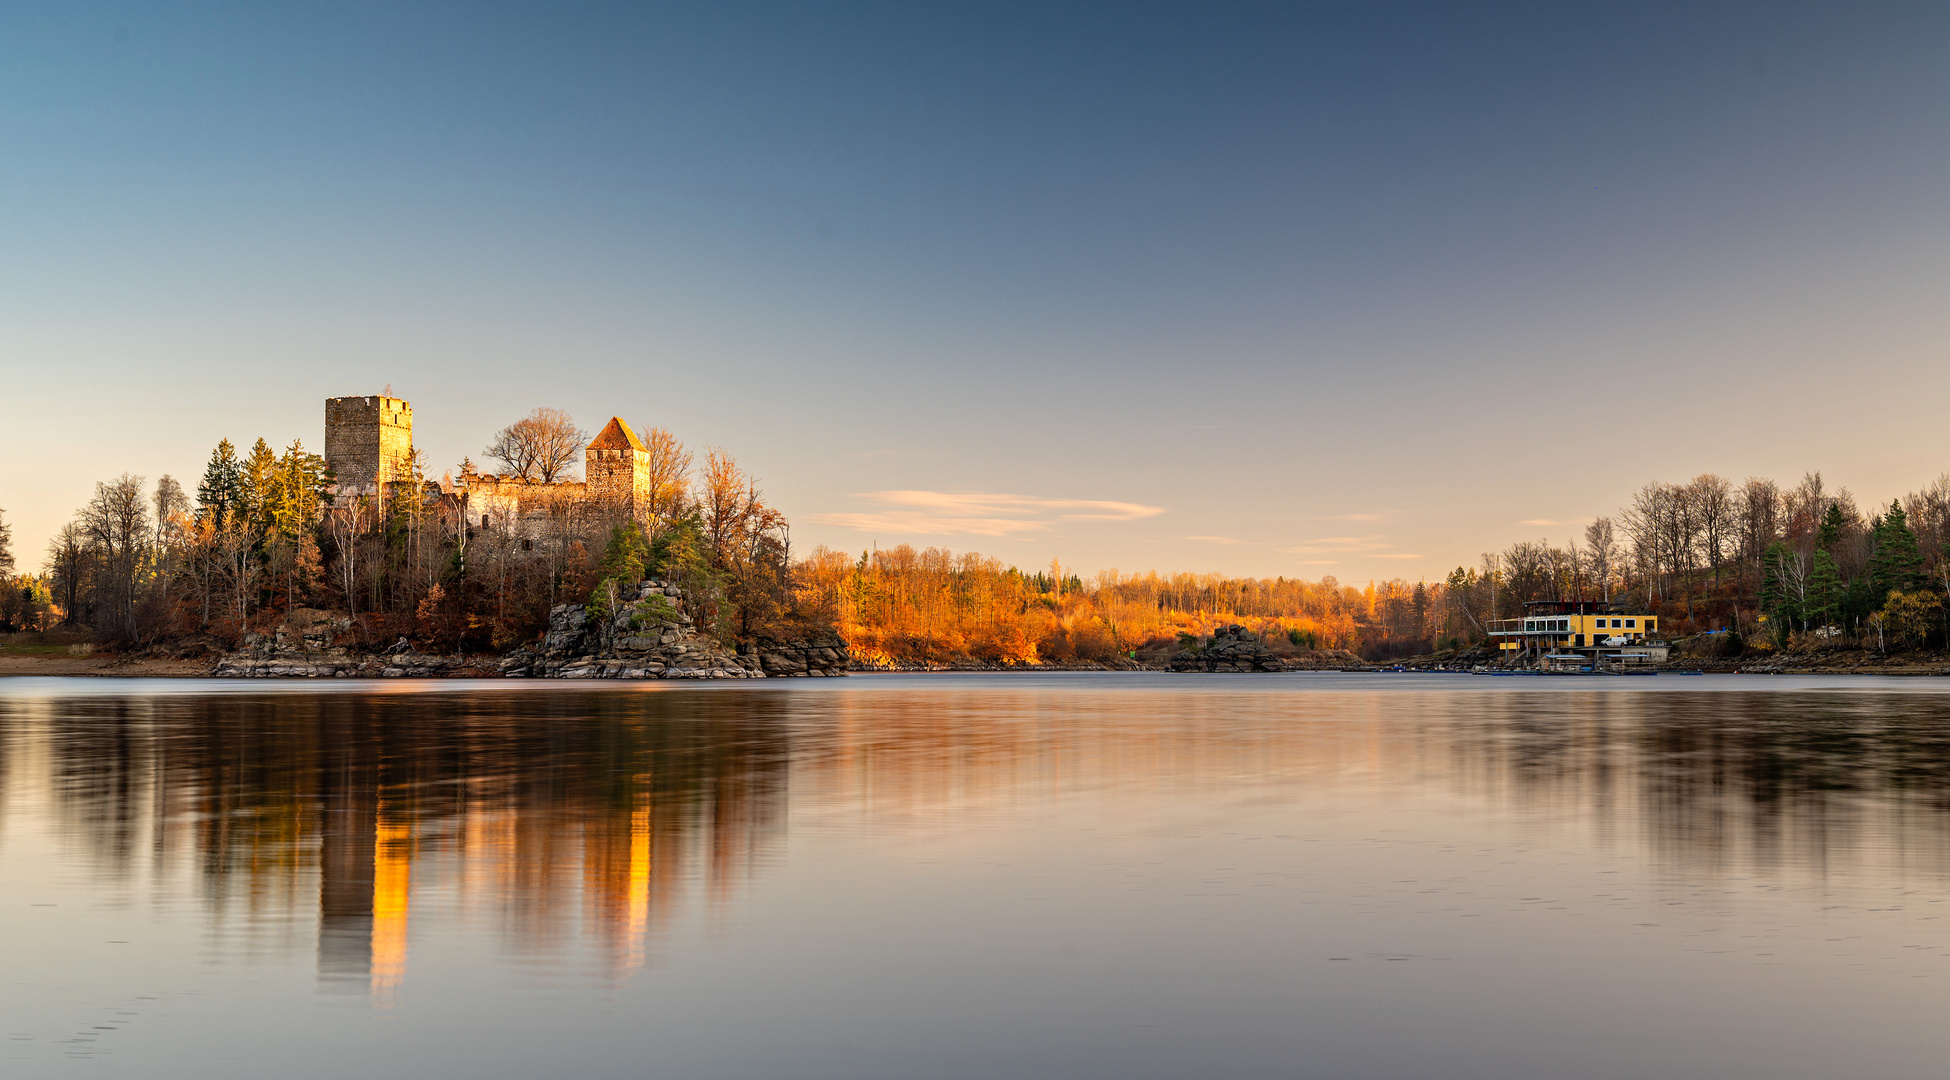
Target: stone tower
[
  {"x": 617, "y": 468},
  {"x": 367, "y": 440}
]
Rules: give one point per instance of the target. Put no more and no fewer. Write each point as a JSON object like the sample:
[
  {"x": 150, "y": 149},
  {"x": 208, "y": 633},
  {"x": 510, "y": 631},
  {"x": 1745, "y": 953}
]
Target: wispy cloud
[
  {"x": 1546, "y": 521},
  {"x": 1217, "y": 540},
  {"x": 1338, "y": 545},
  {"x": 977, "y": 513},
  {"x": 1373, "y": 546},
  {"x": 1368, "y": 519}
]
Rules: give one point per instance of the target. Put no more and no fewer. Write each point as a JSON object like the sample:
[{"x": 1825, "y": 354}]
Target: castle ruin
[{"x": 369, "y": 442}]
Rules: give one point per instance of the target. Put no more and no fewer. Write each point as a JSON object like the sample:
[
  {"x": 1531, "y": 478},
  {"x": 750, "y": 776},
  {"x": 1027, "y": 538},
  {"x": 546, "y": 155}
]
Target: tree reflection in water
[
  {"x": 523, "y": 803},
  {"x": 573, "y": 818}
]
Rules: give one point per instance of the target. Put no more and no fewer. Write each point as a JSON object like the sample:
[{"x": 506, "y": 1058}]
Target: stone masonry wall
[
  {"x": 618, "y": 477},
  {"x": 368, "y": 439}
]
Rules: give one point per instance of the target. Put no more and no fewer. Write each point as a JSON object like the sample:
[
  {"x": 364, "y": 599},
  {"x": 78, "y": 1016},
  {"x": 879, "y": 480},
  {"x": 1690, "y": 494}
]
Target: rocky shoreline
[
  {"x": 1231, "y": 649},
  {"x": 647, "y": 635}
]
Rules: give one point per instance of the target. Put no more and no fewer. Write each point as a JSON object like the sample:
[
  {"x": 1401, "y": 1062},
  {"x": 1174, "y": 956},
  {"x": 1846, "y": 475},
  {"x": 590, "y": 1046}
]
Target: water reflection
[
  {"x": 585, "y": 821},
  {"x": 520, "y": 804}
]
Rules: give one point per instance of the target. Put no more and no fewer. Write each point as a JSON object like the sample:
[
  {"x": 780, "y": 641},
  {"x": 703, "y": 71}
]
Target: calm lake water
[{"x": 971, "y": 876}]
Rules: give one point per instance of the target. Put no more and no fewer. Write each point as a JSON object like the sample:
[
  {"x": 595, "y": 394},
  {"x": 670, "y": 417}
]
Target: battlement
[
  {"x": 367, "y": 440},
  {"x": 617, "y": 467}
]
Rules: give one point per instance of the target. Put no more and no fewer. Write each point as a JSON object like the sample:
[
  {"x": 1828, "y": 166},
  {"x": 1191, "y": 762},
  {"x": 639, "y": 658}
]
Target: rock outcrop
[
  {"x": 1231, "y": 648},
  {"x": 823, "y": 655},
  {"x": 1235, "y": 648},
  {"x": 304, "y": 645},
  {"x": 650, "y": 636},
  {"x": 647, "y": 635}
]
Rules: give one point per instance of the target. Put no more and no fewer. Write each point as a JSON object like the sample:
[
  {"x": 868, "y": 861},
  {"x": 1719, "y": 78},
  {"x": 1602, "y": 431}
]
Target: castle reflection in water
[
  {"x": 568, "y": 816},
  {"x": 585, "y": 821}
]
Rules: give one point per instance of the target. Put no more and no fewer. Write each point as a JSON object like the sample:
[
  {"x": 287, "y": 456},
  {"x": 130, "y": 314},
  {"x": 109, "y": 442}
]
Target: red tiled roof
[{"x": 616, "y": 435}]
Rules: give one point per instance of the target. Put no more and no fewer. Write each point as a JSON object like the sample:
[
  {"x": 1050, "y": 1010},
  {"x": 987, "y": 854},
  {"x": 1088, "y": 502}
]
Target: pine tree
[
  {"x": 260, "y": 482},
  {"x": 1832, "y": 524},
  {"x": 219, "y": 498},
  {"x": 1825, "y": 590},
  {"x": 298, "y": 491},
  {"x": 1897, "y": 565},
  {"x": 6, "y": 547}
]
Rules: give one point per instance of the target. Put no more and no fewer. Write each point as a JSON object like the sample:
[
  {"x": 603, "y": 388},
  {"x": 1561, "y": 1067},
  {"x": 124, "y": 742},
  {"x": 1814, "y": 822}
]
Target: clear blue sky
[{"x": 1357, "y": 290}]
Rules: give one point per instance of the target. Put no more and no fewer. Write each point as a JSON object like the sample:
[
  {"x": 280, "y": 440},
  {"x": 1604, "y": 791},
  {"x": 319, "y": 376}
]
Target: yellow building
[{"x": 1573, "y": 626}]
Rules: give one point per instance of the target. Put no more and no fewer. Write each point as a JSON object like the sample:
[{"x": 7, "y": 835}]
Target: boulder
[{"x": 1231, "y": 648}]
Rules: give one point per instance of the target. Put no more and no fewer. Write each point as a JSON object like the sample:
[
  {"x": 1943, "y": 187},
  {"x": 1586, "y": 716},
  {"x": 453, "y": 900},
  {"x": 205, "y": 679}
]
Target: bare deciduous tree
[
  {"x": 172, "y": 509},
  {"x": 540, "y": 447},
  {"x": 67, "y": 565},
  {"x": 116, "y": 523},
  {"x": 346, "y": 522},
  {"x": 1601, "y": 553},
  {"x": 725, "y": 506},
  {"x": 1760, "y": 523},
  {"x": 1710, "y": 502},
  {"x": 670, "y": 470}
]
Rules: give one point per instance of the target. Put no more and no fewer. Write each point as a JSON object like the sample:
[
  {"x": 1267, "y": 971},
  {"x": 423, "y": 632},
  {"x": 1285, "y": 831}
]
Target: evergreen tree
[
  {"x": 260, "y": 484},
  {"x": 219, "y": 498},
  {"x": 1825, "y": 591},
  {"x": 1832, "y": 524},
  {"x": 626, "y": 556},
  {"x": 623, "y": 565},
  {"x": 1859, "y": 601},
  {"x": 6, "y": 546},
  {"x": 299, "y": 489},
  {"x": 1897, "y": 565}
]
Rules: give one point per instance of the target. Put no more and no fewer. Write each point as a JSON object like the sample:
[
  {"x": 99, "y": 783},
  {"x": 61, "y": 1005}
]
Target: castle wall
[
  {"x": 368, "y": 439},
  {"x": 618, "y": 477},
  {"x": 506, "y": 502}
]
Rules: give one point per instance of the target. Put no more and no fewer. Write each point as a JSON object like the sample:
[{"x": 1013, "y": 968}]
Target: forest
[
  {"x": 263, "y": 534},
  {"x": 1768, "y": 567}
]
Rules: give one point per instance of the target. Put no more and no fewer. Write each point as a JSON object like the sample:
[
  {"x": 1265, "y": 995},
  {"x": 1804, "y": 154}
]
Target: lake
[{"x": 1033, "y": 875}]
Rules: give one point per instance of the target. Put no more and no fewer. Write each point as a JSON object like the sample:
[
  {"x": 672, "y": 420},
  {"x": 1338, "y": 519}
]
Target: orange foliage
[{"x": 934, "y": 606}]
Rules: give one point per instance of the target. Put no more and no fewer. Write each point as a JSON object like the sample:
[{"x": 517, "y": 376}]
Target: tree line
[
  {"x": 1786, "y": 567},
  {"x": 933, "y": 606},
  {"x": 1773, "y": 566},
  {"x": 267, "y": 533}
]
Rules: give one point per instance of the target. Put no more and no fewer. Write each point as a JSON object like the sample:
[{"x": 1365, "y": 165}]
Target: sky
[{"x": 1351, "y": 290}]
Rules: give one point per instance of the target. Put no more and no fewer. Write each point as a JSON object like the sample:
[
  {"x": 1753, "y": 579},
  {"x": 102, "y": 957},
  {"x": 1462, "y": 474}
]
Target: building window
[
  {"x": 1618, "y": 624},
  {"x": 1648, "y": 624},
  {"x": 1631, "y": 622}
]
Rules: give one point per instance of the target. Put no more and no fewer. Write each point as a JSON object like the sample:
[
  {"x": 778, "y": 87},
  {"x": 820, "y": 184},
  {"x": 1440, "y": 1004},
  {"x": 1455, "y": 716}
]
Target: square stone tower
[
  {"x": 367, "y": 440},
  {"x": 617, "y": 468}
]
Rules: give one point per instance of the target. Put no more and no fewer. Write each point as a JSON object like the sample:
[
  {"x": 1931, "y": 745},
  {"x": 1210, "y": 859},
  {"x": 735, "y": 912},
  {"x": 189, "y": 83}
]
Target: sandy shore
[{"x": 110, "y": 666}]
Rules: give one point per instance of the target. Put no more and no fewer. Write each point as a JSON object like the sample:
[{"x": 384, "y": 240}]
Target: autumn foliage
[{"x": 932, "y": 606}]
